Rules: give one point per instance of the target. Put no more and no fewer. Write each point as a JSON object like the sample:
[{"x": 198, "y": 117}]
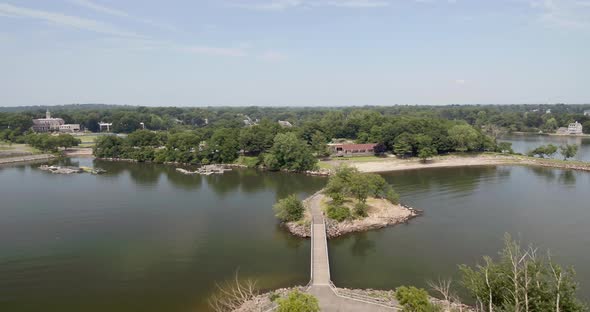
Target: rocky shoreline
[
  {"x": 335, "y": 228},
  {"x": 377, "y": 220},
  {"x": 266, "y": 301}
]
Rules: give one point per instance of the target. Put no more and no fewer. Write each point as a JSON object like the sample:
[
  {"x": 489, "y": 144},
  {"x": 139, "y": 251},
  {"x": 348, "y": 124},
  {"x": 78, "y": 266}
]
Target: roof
[{"x": 350, "y": 147}]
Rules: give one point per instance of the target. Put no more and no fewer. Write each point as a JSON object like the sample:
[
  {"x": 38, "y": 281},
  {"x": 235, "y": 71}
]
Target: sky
[{"x": 294, "y": 52}]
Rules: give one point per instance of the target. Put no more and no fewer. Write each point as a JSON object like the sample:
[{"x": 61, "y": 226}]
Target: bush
[
  {"x": 338, "y": 212},
  {"x": 360, "y": 209},
  {"x": 414, "y": 299},
  {"x": 298, "y": 302},
  {"x": 289, "y": 209}
]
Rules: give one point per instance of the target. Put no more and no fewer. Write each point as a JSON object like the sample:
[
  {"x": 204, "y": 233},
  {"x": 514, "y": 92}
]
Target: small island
[{"x": 351, "y": 202}]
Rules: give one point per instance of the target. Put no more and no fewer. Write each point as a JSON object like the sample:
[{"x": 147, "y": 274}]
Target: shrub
[
  {"x": 338, "y": 212},
  {"x": 414, "y": 299},
  {"x": 289, "y": 209},
  {"x": 297, "y": 301},
  {"x": 360, "y": 209}
]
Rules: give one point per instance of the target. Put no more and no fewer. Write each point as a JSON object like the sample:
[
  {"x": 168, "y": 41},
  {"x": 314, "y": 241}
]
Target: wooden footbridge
[{"x": 321, "y": 286}]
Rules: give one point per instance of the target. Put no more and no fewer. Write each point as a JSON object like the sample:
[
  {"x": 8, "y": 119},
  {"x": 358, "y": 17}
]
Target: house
[
  {"x": 105, "y": 126},
  {"x": 285, "y": 124},
  {"x": 69, "y": 128},
  {"x": 587, "y": 112},
  {"x": 575, "y": 128},
  {"x": 351, "y": 149},
  {"x": 47, "y": 124}
]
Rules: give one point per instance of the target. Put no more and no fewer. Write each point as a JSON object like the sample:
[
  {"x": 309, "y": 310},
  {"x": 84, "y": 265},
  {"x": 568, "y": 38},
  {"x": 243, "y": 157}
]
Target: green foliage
[
  {"x": 505, "y": 147},
  {"x": 297, "y": 301},
  {"x": 274, "y": 296},
  {"x": 338, "y": 212},
  {"x": 289, "y": 209},
  {"x": 413, "y": 299},
  {"x": 568, "y": 150},
  {"x": 290, "y": 153},
  {"x": 426, "y": 152},
  {"x": 403, "y": 145},
  {"x": 544, "y": 151},
  {"x": 51, "y": 143},
  {"x": 521, "y": 280},
  {"x": 349, "y": 182},
  {"x": 464, "y": 137},
  {"x": 360, "y": 209}
]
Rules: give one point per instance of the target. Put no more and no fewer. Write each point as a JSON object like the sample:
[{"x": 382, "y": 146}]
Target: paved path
[{"x": 320, "y": 283}]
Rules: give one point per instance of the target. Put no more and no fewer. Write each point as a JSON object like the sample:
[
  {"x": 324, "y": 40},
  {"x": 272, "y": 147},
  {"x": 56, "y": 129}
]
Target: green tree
[
  {"x": 464, "y": 137},
  {"x": 66, "y": 141},
  {"x": 319, "y": 144},
  {"x": 521, "y": 280},
  {"x": 290, "y": 153},
  {"x": 413, "y": 299},
  {"x": 505, "y": 147},
  {"x": 568, "y": 150},
  {"x": 223, "y": 146},
  {"x": 289, "y": 209},
  {"x": 297, "y": 301},
  {"x": 426, "y": 152},
  {"x": 403, "y": 145},
  {"x": 544, "y": 151}
]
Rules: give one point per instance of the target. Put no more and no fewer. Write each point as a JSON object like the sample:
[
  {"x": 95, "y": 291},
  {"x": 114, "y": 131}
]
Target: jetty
[
  {"x": 329, "y": 296},
  {"x": 205, "y": 170}
]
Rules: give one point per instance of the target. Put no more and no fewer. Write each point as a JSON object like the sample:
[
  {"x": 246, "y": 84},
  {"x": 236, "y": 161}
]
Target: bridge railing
[{"x": 350, "y": 294}]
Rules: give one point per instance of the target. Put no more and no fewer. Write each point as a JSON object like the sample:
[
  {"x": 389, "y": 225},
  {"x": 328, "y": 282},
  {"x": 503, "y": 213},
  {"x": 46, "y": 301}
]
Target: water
[
  {"x": 525, "y": 143},
  {"x": 466, "y": 213},
  {"x": 146, "y": 238},
  {"x": 142, "y": 237}
]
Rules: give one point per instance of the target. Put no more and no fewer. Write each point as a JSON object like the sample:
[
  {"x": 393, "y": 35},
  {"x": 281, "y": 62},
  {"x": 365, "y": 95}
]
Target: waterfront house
[
  {"x": 575, "y": 128},
  {"x": 47, "y": 124},
  {"x": 105, "y": 126},
  {"x": 351, "y": 149},
  {"x": 69, "y": 128}
]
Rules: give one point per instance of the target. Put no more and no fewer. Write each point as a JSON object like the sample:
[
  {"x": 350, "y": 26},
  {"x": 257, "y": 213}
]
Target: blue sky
[{"x": 294, "y": 52}]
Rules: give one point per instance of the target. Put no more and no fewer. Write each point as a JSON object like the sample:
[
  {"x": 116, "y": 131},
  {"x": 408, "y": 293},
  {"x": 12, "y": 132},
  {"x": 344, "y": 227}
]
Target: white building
[
  {"x": 587, "y": 112},
  {"x": 285, "y": 124},
  {"x": 574, "y": 128},
  {"x": 69, "y": 128},
  {"x": 47, "y": 124},
  {"x": 105, "y": 126}
]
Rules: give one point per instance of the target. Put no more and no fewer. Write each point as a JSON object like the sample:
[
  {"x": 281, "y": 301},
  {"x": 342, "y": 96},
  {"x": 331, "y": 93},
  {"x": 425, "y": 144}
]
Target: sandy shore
[
  {"x": 78, "y": 152},
  {"x": 394, "y": 164}
]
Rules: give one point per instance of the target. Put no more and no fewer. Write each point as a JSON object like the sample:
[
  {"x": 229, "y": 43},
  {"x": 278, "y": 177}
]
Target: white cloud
[
  {"x": 563, "y": 13},
  {"x": 460, "y": 81},
  {"x": 273, "y": 56},
  {"x": 99, "y": 8},
  {"x": 119, "y": 13},
  {"x": 64, "y": 20},
  {"x": 289, "y": 4},
  {"x": 216, "y": 51}
]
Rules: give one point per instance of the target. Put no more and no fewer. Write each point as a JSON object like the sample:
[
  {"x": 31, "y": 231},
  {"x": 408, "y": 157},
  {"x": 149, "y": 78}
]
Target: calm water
[
  {"x": 142, "y": 237},
  {"x": 145, "y": 238},
  {"x": 525, "y": 143},
  {"x": 466, "y": 213}
]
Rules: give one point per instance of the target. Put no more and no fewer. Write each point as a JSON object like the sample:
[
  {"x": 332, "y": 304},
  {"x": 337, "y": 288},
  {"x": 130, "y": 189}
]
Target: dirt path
[{"x": 11, "y": 160}]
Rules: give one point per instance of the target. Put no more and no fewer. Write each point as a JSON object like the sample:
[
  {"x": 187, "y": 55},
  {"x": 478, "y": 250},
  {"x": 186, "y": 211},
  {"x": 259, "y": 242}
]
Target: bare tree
[
  {"x": 443, "y": 287},
  {"x": 231, "y": 295},
  {"x": 557, "y": 276}
]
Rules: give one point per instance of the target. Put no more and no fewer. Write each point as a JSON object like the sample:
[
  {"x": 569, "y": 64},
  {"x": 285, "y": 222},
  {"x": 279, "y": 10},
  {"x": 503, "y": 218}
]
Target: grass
[
  {"x": 248, "y": 161},
  {"x": 18, "y": 148}
]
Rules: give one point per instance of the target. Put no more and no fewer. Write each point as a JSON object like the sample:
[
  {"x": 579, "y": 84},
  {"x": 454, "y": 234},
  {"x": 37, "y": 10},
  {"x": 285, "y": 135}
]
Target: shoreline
[
  {"x": 21, "y": 159},
  {"x": 381, "y": 214},
  {"x": 452, "y": 161}
]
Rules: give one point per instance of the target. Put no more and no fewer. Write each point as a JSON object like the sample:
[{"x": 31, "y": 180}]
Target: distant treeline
[{"x": 127, "y": 119}]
